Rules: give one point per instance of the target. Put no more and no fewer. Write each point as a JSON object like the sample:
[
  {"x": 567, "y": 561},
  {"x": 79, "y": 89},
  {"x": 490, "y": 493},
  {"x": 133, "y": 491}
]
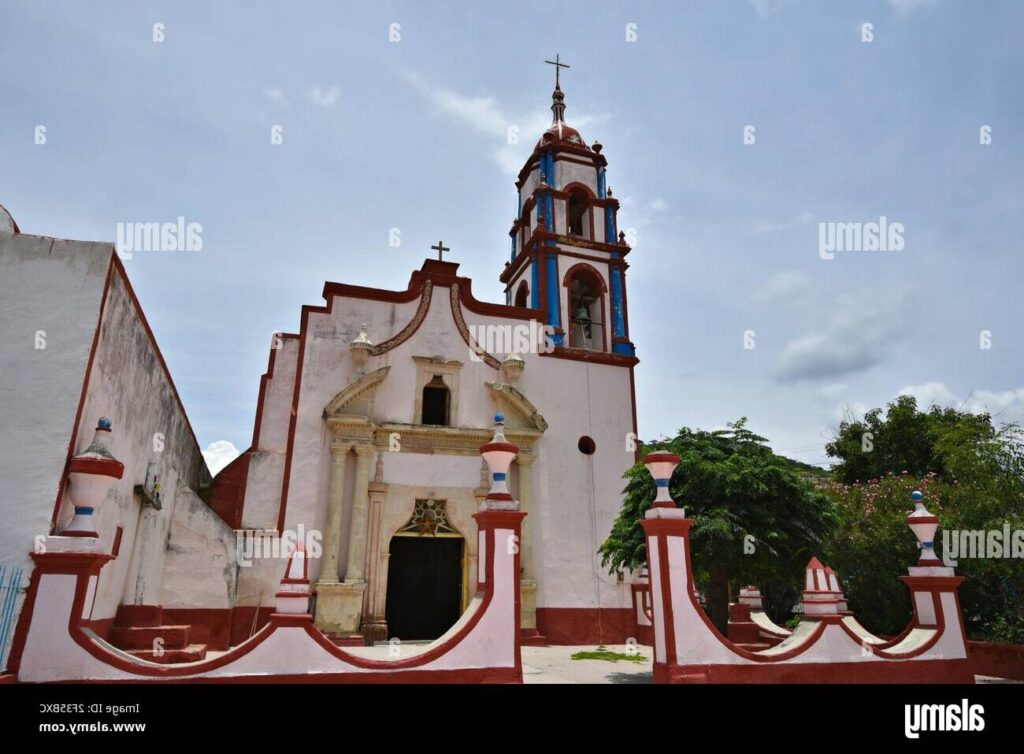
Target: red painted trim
[
  {"x": 96, "y": 466},
  {"x": 116, "y": 549},
  {"x": 584, "y": 267},
  {"x": 664, "y": 528},
  {"x": 264, "y": 380},
  {"x": 597, "y": 357},
  {"x": 86, "y": 565},
  {"x": 997, "y": 660},
  {"x": 523, "y": 293},
  {"x": 590, "y": 201},
  {"x": 575, "y": 626},
  {"x": 669, "y": 623},
  {"x": 587, "y": 269},
  {"x": 922, "y": 671}
]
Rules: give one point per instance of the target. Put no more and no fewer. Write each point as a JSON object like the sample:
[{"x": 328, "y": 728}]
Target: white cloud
[
  {"x": 855, "y": 335},
  {"x": 219, "y": 454},
  {"x": 931, "y": 393},
  {"x": 833, "y": 391},
  {"x": 1004, "y": 404},
  {"x": 777, "y": 226},
  {"x": 324, "y": 96},
  {"x": 790, "y": 286},
  {"x": 276, "y": 96},
  {"x": 1008, "y": 403}
]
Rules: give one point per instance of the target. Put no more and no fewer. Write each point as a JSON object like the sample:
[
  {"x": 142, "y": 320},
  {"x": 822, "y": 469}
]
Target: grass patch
[{"x": 603, "y": 653}]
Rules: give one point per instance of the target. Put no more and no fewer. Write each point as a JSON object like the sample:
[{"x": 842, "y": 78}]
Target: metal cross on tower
[
  {"x": 559, "y": 65},
  {"x": 440, "y": 249}
]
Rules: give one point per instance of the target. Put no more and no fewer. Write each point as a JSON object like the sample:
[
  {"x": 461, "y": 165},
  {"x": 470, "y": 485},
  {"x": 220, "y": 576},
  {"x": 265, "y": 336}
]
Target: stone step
[
  {"x": 138, "y": 615},
  {"x": 190, "y": 653},
  {"x": 355, "y": 640},
  {"x": 142, "y": 637},
  {"x": 751, "y": 646}
]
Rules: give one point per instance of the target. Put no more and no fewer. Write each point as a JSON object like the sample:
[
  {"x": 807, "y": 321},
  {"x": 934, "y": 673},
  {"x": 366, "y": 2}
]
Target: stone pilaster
[
  {"x": 374, "y": 627},
  {"x": 356, "y": 570},
  {"x": 528, "y": 586},
  {"x": 343, "y": 609},
  {"x": 335, "y": 506},
  {"x": 328, "y": 590}
]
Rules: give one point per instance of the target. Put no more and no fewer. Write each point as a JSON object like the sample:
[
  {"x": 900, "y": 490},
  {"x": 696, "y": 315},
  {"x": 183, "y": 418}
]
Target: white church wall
[
  {"x": 277, "y": 397},
  {"x": 267, "y": 461},
  {"x": 599, "y": 234},
  {"x": 530, "y": 184},
  {"x": 54, "y": 288},
  {"x": 327, "y": 368},
  {"x": 572, "y": 172},
  {"x": 577, "y": 497}
]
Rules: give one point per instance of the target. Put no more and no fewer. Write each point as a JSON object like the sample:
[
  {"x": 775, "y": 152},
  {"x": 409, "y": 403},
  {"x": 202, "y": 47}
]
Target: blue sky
[{"x": 413, "y": 135}]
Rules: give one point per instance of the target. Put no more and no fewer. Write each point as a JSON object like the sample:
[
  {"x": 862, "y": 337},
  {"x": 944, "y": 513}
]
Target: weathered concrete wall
[
  {"x": 129, "y": 384},
  {"x": 200, "y": 566}
]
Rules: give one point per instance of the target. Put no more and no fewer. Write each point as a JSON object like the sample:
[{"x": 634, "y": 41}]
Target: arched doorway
[{"x": 426, "y": 572}]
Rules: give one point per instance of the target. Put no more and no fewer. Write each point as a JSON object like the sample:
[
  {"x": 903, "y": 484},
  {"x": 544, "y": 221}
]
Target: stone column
[
  {"x": 335, "y": 505},
  {"x": 356, "y": 570},
  {"x": 528, "y": 587},
  {"x": 373, "y": 626},
  {"x": 328, "y": 590},
  {"x": 339, "y": 607}
]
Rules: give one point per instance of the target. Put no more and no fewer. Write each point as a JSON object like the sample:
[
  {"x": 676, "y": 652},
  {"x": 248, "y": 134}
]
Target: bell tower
[{"x": 568, "y": 257}]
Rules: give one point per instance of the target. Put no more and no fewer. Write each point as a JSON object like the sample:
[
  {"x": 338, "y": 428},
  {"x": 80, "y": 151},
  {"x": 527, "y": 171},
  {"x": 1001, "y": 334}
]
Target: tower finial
[{"x": 557, "y": 98}]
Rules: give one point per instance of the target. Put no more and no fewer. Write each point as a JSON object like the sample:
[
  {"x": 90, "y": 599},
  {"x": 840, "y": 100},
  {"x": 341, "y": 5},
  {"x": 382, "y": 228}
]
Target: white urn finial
[
  {"x": 498, "y": 455},
  {"x": 91, "y": 475}
]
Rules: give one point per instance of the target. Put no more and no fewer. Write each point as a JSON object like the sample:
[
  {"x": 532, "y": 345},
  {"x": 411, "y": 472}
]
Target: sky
[{"x": 736, "y": 132}]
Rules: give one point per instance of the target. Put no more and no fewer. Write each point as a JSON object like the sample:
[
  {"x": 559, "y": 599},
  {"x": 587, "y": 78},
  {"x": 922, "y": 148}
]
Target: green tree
[
  {"x": 900, "y": 438},
  {"x": 733, "y": 486},
  {"x": 972, "y": 475}
]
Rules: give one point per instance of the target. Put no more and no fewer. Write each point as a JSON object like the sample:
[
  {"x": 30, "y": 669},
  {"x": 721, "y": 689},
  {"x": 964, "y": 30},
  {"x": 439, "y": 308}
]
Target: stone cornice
[
  {"x": 461, "y": 441},
  {"x": 514, "y": 399},
  {"x": 355, "y": 390}
]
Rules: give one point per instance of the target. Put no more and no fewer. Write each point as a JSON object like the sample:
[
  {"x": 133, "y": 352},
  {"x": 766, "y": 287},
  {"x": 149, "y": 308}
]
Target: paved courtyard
[{"x": 555, "y": 665}]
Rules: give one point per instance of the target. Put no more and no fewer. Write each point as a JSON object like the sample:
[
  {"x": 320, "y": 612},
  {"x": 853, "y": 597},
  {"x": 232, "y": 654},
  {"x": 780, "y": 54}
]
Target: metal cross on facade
[
  {"x": 558, "y": 64},
  {"x": 440, "y": 249}
]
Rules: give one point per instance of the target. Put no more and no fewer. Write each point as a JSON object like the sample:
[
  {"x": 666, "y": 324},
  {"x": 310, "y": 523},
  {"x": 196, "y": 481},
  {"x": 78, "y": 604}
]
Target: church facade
[{"x": 370, "y": 418}]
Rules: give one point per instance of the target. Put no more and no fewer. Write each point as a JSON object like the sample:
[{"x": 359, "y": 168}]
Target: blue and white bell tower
[{"x": 568, "y": 256}]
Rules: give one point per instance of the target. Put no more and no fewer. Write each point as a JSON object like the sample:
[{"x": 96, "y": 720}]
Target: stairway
[{"x": 139, "y": 631}]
